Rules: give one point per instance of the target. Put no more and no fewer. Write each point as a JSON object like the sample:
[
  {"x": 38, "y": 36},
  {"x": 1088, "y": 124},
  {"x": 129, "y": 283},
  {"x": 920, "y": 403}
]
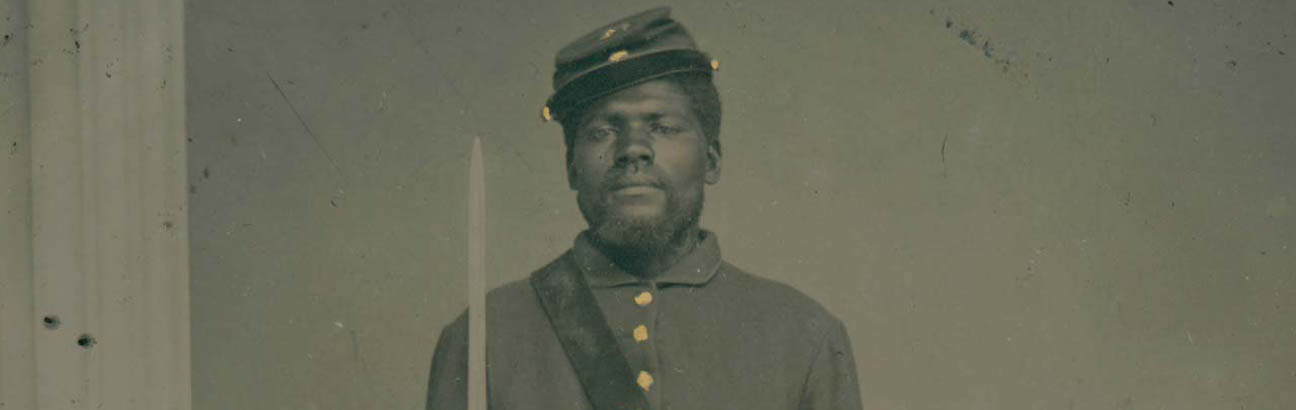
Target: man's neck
[{"x": 649, "y": 264}]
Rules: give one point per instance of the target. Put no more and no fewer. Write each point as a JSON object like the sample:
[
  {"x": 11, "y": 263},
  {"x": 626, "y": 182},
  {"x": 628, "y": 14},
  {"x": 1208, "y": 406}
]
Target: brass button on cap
[{"x": 643, "y": 299}]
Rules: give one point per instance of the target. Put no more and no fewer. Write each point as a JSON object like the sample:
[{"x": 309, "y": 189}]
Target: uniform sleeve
[
  {"x": 447, "y": 384},
  {"x": 832, "y": 383}
]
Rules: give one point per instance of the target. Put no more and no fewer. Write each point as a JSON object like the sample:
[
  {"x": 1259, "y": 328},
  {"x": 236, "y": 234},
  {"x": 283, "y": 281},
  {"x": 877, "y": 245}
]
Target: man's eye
[
  {"x": 601, "y": 133},
  {"x": 665, "y": 129}
]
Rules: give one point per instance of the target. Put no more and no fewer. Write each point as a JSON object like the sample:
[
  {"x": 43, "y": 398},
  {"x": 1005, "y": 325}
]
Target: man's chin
[
  {"x": 641, "y": 233},
  {"x": 638, "y": 214}
]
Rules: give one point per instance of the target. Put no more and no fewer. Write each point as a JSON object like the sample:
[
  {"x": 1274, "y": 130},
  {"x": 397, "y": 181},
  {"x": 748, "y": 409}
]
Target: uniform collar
[{"x": 695, "y": 269}]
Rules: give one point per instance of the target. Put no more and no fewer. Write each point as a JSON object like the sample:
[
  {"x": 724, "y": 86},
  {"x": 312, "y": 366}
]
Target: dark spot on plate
[
  {"x": 86, "y": 341},
  {"x": 51, "y": 322},
  {"x": 167, "y": 224},
  {"x": 206, "y": 173},
  {"x": 1171, "y": 3},
  {"x": 949, "y": 23}
]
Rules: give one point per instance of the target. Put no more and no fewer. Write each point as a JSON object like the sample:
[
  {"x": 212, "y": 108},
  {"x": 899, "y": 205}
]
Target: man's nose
[{"x": 635, "y": 148}]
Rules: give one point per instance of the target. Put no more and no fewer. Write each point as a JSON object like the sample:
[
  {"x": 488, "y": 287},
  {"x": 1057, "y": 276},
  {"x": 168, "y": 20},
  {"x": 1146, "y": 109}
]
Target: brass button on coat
[
  {"x": 645, "y": 380},
  {"x": 643, "y": 299},
  {"x": 641, "y": 333}
]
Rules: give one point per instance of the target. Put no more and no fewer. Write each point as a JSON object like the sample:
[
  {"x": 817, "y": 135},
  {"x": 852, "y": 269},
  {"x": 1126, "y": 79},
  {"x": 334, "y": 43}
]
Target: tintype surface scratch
[{"x": 304, "y": 125}]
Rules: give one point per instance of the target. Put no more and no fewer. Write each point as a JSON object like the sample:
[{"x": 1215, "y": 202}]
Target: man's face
[{"x": 639, "y": 162}]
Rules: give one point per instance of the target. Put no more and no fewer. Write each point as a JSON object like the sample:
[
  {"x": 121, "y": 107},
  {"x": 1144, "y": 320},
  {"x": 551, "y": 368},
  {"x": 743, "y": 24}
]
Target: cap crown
[{"x": 626, "y": 52}]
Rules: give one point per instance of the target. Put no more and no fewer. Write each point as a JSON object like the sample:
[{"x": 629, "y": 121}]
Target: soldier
[{"x": 642, "y": 313}]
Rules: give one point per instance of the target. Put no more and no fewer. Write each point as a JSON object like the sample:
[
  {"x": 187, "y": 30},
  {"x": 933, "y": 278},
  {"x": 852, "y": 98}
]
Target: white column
[
  {"x": 17, "y": 354},
  {"x": 108, "y": 210}
]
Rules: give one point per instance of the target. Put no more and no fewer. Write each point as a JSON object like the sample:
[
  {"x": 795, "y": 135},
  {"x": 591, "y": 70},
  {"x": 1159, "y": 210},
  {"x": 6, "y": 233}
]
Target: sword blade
[{"x": 476, "y": 280}]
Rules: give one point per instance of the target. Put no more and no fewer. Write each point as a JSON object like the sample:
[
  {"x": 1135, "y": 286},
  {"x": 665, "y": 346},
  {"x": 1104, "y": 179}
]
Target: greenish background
[{"x": 1012, "y": 205}]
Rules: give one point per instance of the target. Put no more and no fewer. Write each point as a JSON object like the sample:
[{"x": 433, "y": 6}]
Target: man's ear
[
  {"x": 713, "y": 158},
  {"x": 571, "y": 171}
]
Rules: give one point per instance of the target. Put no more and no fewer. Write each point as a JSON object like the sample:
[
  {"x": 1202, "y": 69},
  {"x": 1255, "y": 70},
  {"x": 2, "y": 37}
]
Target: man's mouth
[
  {"x": 635, "y": 190},
  {"x": 635, "y": 184}
]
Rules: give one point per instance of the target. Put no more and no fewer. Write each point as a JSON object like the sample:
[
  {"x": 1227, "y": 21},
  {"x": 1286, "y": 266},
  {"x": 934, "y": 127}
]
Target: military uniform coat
[{"x": 704, "y": 335}]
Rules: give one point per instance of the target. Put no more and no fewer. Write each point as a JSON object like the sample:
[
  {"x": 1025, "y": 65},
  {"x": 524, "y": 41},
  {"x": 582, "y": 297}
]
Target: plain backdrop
[{"x": 1011, "y": 205}]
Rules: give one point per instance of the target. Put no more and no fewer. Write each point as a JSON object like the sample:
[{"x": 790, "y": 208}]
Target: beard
[{"x": 641, "y": 235}]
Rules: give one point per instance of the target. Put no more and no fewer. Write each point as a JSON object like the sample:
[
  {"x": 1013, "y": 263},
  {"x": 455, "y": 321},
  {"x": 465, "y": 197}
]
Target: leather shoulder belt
[{"x": 589, "y": 343}]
